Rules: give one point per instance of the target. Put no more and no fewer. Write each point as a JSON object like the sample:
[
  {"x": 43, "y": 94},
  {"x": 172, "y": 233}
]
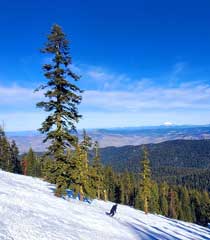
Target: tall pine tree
[{"x": 63, "y": 97}]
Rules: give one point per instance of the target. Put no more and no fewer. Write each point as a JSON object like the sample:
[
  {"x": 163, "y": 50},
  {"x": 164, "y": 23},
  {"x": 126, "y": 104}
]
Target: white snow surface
[{"x": 30, "y": 211}]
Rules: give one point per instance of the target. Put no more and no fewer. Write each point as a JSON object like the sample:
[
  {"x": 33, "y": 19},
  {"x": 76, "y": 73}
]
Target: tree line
[
  {"x": 179, "y": 162},
  {"x": 94, "y": 180},
  {"x": 8, "y": 154}
]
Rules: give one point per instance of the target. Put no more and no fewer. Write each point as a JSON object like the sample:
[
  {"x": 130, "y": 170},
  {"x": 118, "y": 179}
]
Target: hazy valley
[{"x": 119, "y": 136}]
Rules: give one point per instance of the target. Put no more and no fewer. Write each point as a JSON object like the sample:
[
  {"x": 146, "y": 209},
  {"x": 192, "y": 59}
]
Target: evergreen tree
[
  {"x": 4, "y": 152},
  {"x": 163, "y": 198},
  {"x": 75, "y": 171},
  {"x": 110, "y": 183},
  {"x": 85, "y": 145},
  {"x": 79, "y": 172},
  {"x": 48, "y": 169},
  {"x": 145, "y": 181},
  {"x": 14, "y": 158},
  {"x": 121, "y": 190},
  {"x": 8, "y": 154},
  {"x": 31, "y": 164},
  {"x": 63, "y": 97},
  {"x": 133, "y": 189},
  {"x": 171, "y": 200},
  {"x": 97, "y": 174},
  {"x": 118, "y": 188},
  {"x": 31, "y": 159},
  {"x": 185, "y": 204},
  {"x": 127, "y": 188},
  {"x": 154, "y": 200}
]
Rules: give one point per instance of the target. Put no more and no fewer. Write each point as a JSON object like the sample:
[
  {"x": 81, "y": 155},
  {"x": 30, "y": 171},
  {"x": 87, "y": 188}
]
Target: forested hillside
[
  {"x": 179, "y": 162},
  {"x": 177, "y": 153}
]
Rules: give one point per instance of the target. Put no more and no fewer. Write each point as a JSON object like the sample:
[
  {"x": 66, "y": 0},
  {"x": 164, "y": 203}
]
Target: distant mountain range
[{"x": 119, "y": 136}]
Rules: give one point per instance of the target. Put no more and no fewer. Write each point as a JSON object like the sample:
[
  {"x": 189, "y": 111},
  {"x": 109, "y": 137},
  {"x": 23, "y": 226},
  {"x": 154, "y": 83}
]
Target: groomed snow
[{"x": 30, "y": 211}]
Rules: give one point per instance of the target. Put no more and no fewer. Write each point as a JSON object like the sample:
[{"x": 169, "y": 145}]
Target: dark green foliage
[
  {"x": 185, "y": 204},
  {"x": 189, "y": 177},
  {"x": 177, "y": 153},
  {"x": 63, "y": 96},
  {"x": 163, "y": 198},
  {"x": 110, "y": 182},
  {"x": 14, "y": 158},
  {"x": 154, "y": 199}
]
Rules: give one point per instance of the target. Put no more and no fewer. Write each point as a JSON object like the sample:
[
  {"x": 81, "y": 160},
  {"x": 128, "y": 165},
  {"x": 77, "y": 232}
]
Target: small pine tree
[
  {"x": 185, "y": 204},
  {"x": 171, "y": 200},
  {"x": 85, "y": 146},
  {"x": 127, "y": 187},
  {"x": 154, "y": 201},
  {"x": 32, "y": 164},
  {"x": 14, "y": 158},
  {"x": 109, "y": 182},
  {"x": 163, "y": 198},
  {"x": 97, "y": 175},
  {"x": 75, "y": 171},
  {"x": 145, "y": 181},
  {"x": 79, "y": 172}
]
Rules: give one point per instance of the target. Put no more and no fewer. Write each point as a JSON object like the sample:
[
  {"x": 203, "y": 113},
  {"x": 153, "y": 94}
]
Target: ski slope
[{"x": 30, "y": 211}]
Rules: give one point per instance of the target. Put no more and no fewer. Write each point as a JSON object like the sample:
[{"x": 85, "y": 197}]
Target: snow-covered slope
[{"x": 29, "y": 211}]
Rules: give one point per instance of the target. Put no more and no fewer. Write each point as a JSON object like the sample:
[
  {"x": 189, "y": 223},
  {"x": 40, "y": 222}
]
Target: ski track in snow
[{"x": 30, "y": 211}]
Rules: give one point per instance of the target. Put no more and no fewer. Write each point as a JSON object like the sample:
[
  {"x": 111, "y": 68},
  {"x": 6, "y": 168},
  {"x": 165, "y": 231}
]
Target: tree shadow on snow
[
  {"x": 145, "y": 231},
  {"x": 190, "y": 229}
]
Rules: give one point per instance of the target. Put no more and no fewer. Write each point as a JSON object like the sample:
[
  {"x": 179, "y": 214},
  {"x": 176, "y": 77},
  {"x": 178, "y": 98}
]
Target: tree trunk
[
  {"x": 145, "y": 205},
  {"x": 81, "y": 193},
  {"x": 105, "y": 196}
]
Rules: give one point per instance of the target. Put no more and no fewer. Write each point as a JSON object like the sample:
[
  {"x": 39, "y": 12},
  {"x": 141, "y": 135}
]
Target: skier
[{"x": 113, "y": 210}]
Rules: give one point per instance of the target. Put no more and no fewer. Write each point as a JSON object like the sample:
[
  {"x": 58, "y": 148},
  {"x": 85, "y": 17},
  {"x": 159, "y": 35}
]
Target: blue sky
[{"x": 142, "y": 62}]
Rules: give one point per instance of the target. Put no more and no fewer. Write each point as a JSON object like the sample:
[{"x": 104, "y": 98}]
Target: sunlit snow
[{"x": 30, "y": 211}]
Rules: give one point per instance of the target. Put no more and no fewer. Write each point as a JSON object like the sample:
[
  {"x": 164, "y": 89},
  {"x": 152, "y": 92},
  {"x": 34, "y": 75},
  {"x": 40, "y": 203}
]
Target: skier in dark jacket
[{"x": 113, "y": 210}]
